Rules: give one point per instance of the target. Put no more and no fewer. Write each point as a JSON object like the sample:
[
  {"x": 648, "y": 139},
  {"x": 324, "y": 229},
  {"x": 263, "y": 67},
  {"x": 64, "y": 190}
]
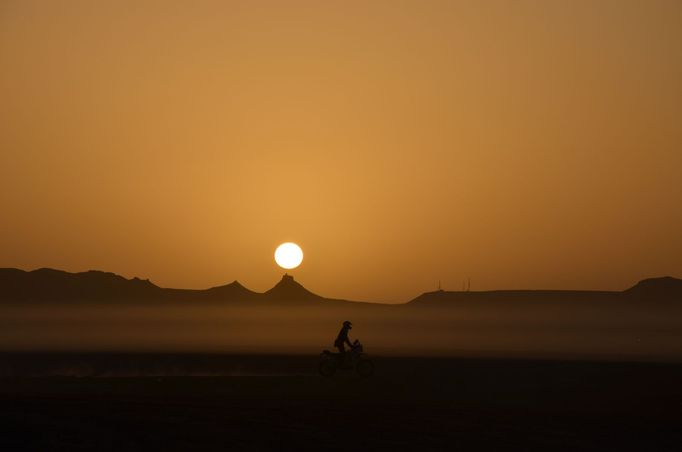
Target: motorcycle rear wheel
[{"x": 327, "y": 368}]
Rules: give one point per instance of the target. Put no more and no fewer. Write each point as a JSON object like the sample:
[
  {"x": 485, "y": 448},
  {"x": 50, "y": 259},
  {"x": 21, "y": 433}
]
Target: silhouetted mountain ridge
[
  {"x": 50, "y": 284},
  {"x": 47, "y": 284}
]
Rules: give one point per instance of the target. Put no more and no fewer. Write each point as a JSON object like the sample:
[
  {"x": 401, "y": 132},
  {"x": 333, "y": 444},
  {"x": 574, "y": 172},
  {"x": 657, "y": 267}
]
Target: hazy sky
[{"x": 524, "y": 144}]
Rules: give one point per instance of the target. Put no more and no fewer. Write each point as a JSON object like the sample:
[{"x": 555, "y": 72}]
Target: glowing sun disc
[{"x": 288, "y": 255}]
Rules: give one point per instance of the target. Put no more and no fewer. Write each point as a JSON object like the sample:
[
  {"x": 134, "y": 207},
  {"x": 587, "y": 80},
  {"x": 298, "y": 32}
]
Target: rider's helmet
[{"x": 348, "y": 324}]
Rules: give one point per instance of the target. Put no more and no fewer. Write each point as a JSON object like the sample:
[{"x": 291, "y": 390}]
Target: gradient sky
[{"x": 524, "y": 144}]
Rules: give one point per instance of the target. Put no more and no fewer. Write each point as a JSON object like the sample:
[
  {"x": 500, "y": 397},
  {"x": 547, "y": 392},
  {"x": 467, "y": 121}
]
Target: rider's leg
[{"x": 342, "y": 353}]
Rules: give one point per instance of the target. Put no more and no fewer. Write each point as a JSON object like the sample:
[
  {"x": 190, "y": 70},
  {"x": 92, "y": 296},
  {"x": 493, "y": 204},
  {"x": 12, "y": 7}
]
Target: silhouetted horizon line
[{"x": 288, "y": 288}]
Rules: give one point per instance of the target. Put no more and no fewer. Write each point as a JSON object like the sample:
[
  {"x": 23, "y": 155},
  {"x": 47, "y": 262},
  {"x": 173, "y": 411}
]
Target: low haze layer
[{"x": 49, "y": 310}]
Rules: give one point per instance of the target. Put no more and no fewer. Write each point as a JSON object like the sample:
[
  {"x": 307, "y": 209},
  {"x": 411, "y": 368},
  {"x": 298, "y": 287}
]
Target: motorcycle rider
[{"x": 342, "y": 339}]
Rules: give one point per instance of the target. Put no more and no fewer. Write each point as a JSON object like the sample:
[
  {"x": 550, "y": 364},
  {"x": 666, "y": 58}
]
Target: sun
[{"x": 288, "y": 255}]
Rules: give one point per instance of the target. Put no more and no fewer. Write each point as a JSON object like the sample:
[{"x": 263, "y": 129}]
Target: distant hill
[
  {"x": 664, "y": 289},
  {"x": 493, "y": 297},
  {"x": 57, "y": 285},
  {"x": 231, "y": 291}
]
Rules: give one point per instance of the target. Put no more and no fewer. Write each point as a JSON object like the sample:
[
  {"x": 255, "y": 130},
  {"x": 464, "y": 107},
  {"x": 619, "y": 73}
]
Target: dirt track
[{"x": 413, "y": 403}]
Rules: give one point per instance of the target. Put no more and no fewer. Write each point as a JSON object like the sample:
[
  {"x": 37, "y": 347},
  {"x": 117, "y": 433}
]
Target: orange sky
[{"x": 525, "y": 144}]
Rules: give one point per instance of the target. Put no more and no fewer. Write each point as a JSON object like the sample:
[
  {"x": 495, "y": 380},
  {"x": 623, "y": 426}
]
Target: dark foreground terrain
[{"x": 277, "y": 402}]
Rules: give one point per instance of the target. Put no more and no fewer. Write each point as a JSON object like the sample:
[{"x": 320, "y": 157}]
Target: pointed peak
[
  {"x": 233, "y": 286},
  {"x": 288, "y": 288},
  {"x": 288, "y": 281}
]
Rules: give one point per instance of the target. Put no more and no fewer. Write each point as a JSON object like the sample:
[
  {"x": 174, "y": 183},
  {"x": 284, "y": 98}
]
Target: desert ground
[{"x": 62, "y": 401}]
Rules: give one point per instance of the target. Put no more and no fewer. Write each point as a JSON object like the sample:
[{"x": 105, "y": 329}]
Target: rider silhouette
[{"x": 342, "y": 339}]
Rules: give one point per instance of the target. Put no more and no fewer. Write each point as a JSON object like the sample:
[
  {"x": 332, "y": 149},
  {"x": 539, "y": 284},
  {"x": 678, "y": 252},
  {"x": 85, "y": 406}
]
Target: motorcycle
[{"x": 355, "y": 358}]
